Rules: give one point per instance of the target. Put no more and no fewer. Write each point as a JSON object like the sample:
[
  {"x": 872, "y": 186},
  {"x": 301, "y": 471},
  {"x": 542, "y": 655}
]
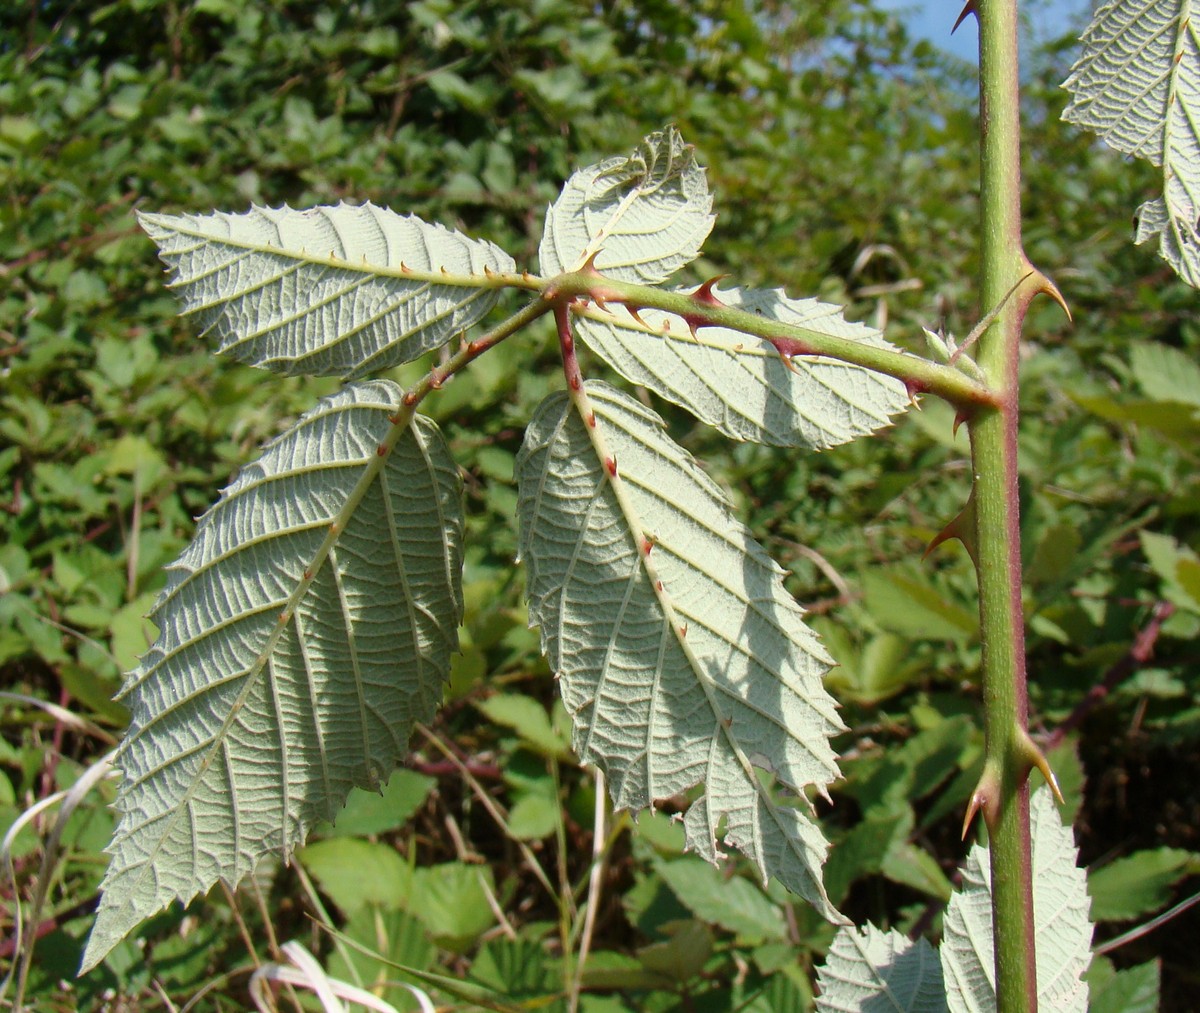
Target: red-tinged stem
[{"x": 997, "y": 521}]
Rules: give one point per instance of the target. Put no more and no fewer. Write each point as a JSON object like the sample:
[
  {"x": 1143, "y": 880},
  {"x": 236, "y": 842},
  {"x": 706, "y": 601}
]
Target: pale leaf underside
[
  {"x": 1137, "y": 85},
  {"x": 682, "y": 659},
  {"x": 645, "y": 215},
  {"x": 303, "y": 631},
  {"x": 324, "y": 292},
  {"x": 1062, "y": 930},
  {"x": 740, "y": 384},
  {"x": 872, "y": 971}
]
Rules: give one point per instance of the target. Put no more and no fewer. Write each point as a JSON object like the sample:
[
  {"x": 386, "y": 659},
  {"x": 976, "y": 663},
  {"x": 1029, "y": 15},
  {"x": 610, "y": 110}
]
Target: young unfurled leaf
[
  {"x": 1138, "y": 86},
  {"x": 647, "y": 214},
  {"x": 331, "y": 291},
  {"x": 741, "y": 385},
  {"x": 682, "y": 659},
  {"x": 303, "y": 631}
]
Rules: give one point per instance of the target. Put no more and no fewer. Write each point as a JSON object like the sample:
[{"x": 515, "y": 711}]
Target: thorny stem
[
  {"x": 1003, "y": 792},
  {"x": 950, "y": 382}
]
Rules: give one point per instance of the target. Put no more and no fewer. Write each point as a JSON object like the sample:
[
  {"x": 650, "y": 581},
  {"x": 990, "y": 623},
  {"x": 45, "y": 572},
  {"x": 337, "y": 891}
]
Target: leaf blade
[
  {"x": 332, "y": 291},
  {"x": 303, "y": 631},
  {"x": 870, "y": 969},
  {"x": 680, "y": 657},
  {"x": 1137, "y": 85},
  {"x": 740, "y": 384},
  {"x": 1062, "y": 930},
  {"x": 643, "y": 216}
]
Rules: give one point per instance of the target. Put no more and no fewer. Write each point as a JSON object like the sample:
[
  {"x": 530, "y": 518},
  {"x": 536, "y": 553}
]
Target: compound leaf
[
  {"x": 1060, "y": 920},
  {"x": 682, "y": 659},
  {"x": 872, "y": 971},
  {"x": 1137, "y": 85},
  {"x": 331, "y": 291},
  {"x": 643, "y": 216},
  {"x": 303, "y": 631},
  {"x": 740, "y": 384}
]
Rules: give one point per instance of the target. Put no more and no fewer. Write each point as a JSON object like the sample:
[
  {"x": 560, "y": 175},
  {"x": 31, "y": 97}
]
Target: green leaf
[
  {"x": 904, "y": 601},
  {"x": 1166, "y": 373},
  {"x": 452, "y": 900},
  {"x": 1062, "y": 931},
  {"x": 682, "y": 659},
  {"x": 741, "y": 385},
  {"x": 731, "y": 902},
  {"x": 644, "y": 215},
  {"x": 1133, "y": 990},
  {"x": 1138, "y": 883},
  {"x": 303, "y": 631},
  {"x": 356, "y": 873},
  {"x": 1137, "y": 85},
  {"x": 331, "y": 291},
  {"x": 528, "y": 719},
  {"x": 369, "y": 812},
  {"x": 870, "y": 969}
]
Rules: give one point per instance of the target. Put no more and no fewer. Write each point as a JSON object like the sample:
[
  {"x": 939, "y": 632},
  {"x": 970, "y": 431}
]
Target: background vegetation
[{"x": 843, "y": 157}]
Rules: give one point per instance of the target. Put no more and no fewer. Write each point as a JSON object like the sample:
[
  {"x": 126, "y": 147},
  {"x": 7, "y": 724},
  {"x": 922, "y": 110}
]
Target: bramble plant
[{"x": 310, "y": 626}]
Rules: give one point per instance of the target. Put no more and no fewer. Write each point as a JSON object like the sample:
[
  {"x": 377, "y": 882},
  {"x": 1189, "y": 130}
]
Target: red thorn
[
  {"x": 488, "y": 272},
  {"x": 915, "y": 387},
  {"x": 683, "y": 630},
  {"x": 576, "y": 383},
  {"x": 788, "y": 347},
  {"x": 284, "y": 617},
  {"x": 704, "y": 294},
  {"x": 599, "y": 300},
  {"x": 435, "y": 381},
  {"x": 610, "y": 464},
  {"x": 568, "y": 343},
  {"x": 962, "y": 528},
  {"x": 959, "y": 418},
  {"x": 658, "y": 585},
  {"x": 968, "y": 8},
  {"x": 308, "y": 574},
  {"x": 634, "y": 313},
  {"x": 693, "y": 322},
  {"x": 394, "y": 420},
  {"x": 404, "y": 268},
  {"x": 335, "y": 527},
  {"x": 589, "y": 265},
  {"x": 972, "y": 808},
  {"x": 381, "y": 450},
  {"x": 591, "y": 420},
  {"x": 475, "y": 347},
  {"x": 647, "y": 545},
  {"x": 410, "y": 398}
]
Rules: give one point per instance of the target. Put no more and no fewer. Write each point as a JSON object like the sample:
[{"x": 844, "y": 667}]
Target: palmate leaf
[
  {"x": 1062, "y": 930},
  {"x": 331, "y": 291},
  {"x": 681, "y": 658},
  {"x": 1137, "y": 85},
  {"x": 740, "y": 384},
  {"x": 872, "y": 971},
  {"x": 303, "y": 631},
  {"x": 644, "y": 215}
]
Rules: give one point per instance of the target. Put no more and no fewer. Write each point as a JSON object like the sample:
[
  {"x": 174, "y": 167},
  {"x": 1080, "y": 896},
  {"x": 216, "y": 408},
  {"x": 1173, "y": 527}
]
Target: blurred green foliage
[{"x": 843, "y": 158}]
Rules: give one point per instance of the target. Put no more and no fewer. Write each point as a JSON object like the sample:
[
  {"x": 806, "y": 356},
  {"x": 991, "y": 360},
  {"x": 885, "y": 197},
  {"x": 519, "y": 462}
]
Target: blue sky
[{"x": 932, "y": 19}]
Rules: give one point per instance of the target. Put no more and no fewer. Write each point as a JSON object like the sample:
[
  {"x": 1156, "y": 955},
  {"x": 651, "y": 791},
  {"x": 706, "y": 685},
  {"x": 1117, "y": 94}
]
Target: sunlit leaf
[{"x": 681, "y": 658}]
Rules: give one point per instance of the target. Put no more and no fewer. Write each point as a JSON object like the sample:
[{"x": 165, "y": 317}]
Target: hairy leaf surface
[
  {"x": 1138, "y": 86},
  {"x": 681, "y": 657},
  {"x": 303, "y": 631},
  {"x": 869, "y": 971},
  {"x": 647, "y": 214},
  {"x": 741, "y": 385},
  {"x": 1060, "y": 921},
  {"x": 331, "y": 291}
]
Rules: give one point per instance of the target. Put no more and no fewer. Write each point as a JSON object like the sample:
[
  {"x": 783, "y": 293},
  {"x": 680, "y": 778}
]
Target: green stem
[
  {"x": 953, "y": 383},
  {"x": 1004, "y": 794}
]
